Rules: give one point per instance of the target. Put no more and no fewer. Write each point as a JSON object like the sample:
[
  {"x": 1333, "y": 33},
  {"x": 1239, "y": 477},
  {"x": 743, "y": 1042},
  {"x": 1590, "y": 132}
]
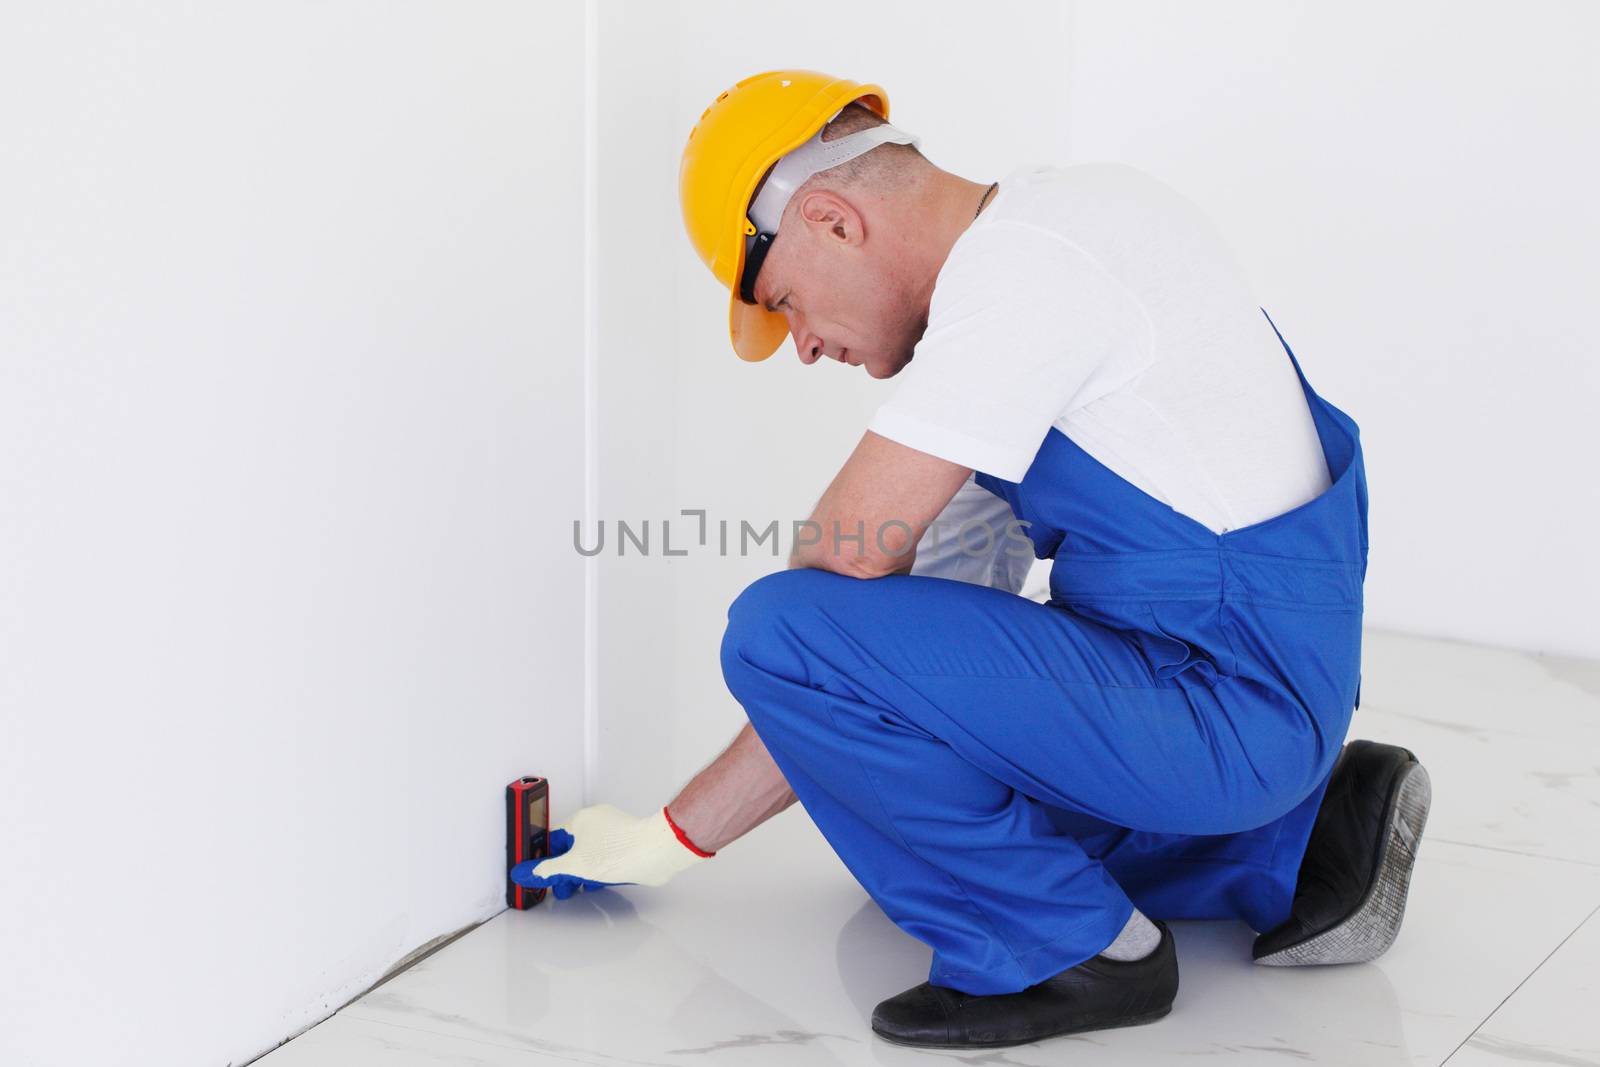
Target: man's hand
[{"x": 604, "y": 846}]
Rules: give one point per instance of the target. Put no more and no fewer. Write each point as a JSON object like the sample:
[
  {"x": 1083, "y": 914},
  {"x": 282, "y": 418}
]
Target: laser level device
[{"x": 527, "y": 834}]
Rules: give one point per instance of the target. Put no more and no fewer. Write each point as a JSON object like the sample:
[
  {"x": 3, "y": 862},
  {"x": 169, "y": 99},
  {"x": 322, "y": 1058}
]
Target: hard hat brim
[{"x": 756, "y": 332}]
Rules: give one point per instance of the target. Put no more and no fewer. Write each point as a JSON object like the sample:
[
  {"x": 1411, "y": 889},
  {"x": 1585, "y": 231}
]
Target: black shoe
[
  {"x": 1351, "y": 892},
  {"x": 1097, "y": 994}
]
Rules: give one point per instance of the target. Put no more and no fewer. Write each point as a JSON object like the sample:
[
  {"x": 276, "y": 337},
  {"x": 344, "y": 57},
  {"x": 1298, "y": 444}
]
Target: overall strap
[{"x": 1303, "y": 383}]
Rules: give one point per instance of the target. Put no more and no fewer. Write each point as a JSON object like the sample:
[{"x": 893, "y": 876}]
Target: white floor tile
[
  {"x": 1551, "y": 1018},
  {"x": 346, "y": 1041},
  {"x": 1511, "y": 740}
]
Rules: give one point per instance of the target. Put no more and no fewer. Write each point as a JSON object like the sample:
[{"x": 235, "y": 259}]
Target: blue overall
[{"x": 1009, "y": 779}]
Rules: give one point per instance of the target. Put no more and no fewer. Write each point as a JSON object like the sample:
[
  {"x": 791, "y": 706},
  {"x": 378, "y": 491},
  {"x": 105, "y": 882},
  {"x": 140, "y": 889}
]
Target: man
[{"x": 1032, "y": 789}]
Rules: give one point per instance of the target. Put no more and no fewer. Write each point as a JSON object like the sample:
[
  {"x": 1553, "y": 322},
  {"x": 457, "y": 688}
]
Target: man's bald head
[
  {"x": 859, "y": 248},
  {"x": 886, "y": 168}
]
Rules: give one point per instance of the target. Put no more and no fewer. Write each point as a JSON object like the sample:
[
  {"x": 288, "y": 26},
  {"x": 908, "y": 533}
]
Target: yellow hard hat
[{"x": 739, "y": 137}]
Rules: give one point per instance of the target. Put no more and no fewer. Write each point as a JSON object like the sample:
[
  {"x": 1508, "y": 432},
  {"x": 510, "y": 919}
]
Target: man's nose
[{"x": 809, "y": 345}]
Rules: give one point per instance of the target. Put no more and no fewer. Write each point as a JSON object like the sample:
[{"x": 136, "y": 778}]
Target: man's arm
[
  {"x": 738, "y": 791},
  {"x": 868, "y": 522}
]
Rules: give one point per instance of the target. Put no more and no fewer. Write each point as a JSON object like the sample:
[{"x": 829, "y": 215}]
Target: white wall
[
  {"x": 290, "y": 380},
  {"x": 1412, "y": 187}
]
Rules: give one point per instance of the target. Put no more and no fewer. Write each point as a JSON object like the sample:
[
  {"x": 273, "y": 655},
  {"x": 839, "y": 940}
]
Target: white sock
[{"x": 1138, "y": 939}]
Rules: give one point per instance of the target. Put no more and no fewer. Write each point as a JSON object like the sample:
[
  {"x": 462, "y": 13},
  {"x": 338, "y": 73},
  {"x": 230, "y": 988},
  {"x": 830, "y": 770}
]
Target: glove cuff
[{"x": 682, "y": 837}]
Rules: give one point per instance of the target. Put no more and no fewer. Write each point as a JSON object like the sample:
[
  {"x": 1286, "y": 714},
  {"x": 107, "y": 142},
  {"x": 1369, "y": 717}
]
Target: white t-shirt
[
  {"x": 1096, "y": 299},
  {"x": 975, "y": 539}
]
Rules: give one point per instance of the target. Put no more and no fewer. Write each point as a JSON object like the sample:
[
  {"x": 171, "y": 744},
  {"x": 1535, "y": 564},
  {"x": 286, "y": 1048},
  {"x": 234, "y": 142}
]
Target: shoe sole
[
  {"x": 1368, "y": 931},
  {"x": 1108, "y": 1024}
]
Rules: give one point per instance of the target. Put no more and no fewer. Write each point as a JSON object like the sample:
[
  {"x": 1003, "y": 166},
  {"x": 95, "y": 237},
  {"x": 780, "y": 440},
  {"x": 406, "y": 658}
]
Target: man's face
[{"x": 841, "y": 293}]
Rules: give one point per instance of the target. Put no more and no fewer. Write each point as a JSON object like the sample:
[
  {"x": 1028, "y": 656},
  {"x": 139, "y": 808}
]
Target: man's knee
[
  {"x": 766, "y": 625},
  {"x": 796, "y": 585}
]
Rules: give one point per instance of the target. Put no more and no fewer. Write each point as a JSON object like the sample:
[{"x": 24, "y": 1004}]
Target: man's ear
[{"x": 833, "y": 217}]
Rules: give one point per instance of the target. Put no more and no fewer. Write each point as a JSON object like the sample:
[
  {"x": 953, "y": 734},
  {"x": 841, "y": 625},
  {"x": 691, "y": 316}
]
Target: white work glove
[{"x": 603, "y": 845}]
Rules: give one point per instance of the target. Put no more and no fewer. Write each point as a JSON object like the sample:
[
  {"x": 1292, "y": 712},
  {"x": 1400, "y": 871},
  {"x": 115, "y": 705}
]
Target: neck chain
[{"x": 984, "y": 201}]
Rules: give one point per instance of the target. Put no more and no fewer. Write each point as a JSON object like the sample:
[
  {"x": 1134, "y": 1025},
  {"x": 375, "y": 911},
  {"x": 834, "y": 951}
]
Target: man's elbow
[
  {"x": 883, "y": 565},
  {"x": 858, "y": 566}
]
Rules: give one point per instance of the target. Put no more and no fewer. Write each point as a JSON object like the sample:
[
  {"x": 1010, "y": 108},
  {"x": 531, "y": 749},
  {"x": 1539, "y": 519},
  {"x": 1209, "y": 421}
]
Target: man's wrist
[{"x": 683, "y": 838}]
